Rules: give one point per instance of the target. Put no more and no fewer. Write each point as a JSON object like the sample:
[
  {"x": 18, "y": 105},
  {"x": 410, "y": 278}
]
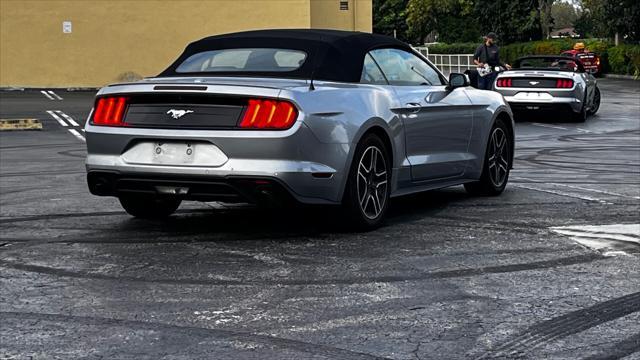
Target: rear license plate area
[
  {"x": 533, "y": 96},
  {"x": 175, "y": 153}
]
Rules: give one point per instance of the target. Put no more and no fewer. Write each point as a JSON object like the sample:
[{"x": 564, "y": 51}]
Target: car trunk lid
[
  {"x": 534, "y": 79},
  {"x": 193, "y": 103}
]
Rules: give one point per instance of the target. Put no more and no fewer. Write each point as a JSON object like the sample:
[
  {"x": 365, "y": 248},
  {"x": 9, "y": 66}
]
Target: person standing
[{"x": 486, "y": 58}]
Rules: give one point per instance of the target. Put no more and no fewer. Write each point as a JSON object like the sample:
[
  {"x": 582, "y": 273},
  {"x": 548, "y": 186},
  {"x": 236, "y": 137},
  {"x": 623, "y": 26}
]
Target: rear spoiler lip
[
  {"x": 527, "y": 72},
  {"x": 177, "y": 86},
  {"x": 270, "y": 83},
  {"x": 168, "y": 88}
]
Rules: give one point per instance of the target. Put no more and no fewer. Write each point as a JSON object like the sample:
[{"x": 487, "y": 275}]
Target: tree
[
  {"x": 623, "y": 17},
  {"x": 605, "y": 18},
  {"x": 546, "y": 20},
  {"x": 512, "y": 20},
  {"x": 591, "y": 22},
  {"x": 451, "y": 20},
  {"x": 564, "y": 15},
  {"x": 467, "y": 20},
  {"x": 390, "y": 15}
]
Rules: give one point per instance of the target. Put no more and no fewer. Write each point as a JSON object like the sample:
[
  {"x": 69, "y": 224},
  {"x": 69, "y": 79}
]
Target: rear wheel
[
  {"x": 497, "y": 161},
  {"x": 149, "y": 207},
  {"x": 580, "y": 116},
  {"x": 595, "y": 106},
  {"x": 367, "y": 193}
]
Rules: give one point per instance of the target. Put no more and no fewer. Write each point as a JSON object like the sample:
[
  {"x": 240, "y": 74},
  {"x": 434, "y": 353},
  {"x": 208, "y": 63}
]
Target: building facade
[{"x": 90, "y": 43}]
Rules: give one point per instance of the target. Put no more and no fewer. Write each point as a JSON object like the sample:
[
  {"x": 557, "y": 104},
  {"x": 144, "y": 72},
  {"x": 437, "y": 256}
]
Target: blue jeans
[{"x": 486, "y": 82}]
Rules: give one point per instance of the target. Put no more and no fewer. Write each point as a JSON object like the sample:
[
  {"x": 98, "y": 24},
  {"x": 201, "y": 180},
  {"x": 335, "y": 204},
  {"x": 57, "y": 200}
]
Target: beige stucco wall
[
  {"x": 111, "y": 39},
  {"x": 326, "y": 14}
]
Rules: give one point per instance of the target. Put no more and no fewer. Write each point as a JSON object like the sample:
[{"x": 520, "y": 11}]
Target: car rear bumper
[
  {"x": 230, "y": 189},
  {"x": 296, "y": 161},
  {"x": 544, "y": 103},
  {"x": 306, "y": 182}
]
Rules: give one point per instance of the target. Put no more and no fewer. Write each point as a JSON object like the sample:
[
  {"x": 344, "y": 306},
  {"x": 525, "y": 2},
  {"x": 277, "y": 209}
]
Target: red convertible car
[{"x": 590, "y": 60}]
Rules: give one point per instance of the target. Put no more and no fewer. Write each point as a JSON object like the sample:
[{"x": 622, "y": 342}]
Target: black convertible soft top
[
  {"x": 331, "y": 54},
  {"x": 521, "y": 62}
]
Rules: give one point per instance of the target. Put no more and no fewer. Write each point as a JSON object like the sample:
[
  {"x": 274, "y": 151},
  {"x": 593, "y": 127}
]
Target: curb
[
  {"x": 618, "y": 76},
  {"x": 20, "y": 124}
]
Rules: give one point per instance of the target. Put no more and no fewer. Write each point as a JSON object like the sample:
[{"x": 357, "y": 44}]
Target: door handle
[{"x": 413, "y": 107}]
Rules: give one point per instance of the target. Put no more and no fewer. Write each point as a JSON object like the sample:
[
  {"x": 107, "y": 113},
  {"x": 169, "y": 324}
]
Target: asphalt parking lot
[{"x": 549, "y": 270}]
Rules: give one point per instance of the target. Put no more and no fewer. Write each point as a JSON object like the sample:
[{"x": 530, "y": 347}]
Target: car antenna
[
  {"x": 313, "y": 71},
  {"x": 311, "y": 87}
]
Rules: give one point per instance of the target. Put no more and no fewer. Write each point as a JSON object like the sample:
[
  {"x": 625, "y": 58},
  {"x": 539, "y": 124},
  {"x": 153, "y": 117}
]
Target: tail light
[
  {"x": 564, "y": 84},
  {"x": 269, "y": 114},
  {"x": 109, "y": 111},
  {"x": 504, "y": 82}
]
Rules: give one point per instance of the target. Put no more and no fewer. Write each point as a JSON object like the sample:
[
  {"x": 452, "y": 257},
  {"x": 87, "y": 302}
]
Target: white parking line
[
  {"x": 580, "y": 188},
  {"x": 58, "y": 119},
  {"x": 77, "y": 134},
  {"x": 54, "y": 95},
  {"x": 68, "y": 118},
  {"x": 47, "y": 95},
  {"x": 598, "y": 191},
  {"x": 560, "y": 193},
  {"x": 621, "y": 232},
  {"x": 550, "y": 126},
  {"x": 611, "y": 239}
]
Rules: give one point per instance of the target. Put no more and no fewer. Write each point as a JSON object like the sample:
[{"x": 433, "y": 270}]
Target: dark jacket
[{"x": 488, "y": 55}]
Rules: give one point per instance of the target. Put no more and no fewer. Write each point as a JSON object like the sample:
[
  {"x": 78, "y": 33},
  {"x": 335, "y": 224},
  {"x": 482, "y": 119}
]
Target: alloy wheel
[
  {"x": 372, "y": 184},
  {"x": 499, "y": 157},
  {"x": 596, "y": 102}
]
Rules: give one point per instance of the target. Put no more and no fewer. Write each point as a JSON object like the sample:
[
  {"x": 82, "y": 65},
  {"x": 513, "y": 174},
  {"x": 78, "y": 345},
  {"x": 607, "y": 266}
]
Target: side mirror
[{"x": 457, "y": 80}]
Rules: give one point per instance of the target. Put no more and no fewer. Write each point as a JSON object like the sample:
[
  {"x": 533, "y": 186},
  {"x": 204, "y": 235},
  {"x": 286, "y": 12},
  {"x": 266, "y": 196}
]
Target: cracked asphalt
[{"x": 448, "y": 277}]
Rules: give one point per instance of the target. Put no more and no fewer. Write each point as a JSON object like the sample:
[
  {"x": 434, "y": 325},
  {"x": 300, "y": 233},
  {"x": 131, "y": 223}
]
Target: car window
[
  {"x": 403, "y": 68},
  {"x": 241, "y": 60},
  {"x": 371, "y": 73}
]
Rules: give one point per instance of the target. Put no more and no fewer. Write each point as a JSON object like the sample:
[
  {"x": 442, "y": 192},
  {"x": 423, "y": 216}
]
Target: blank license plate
[
  {"x": 173, "y": 153},
  {"x": 534, "y": 96}
]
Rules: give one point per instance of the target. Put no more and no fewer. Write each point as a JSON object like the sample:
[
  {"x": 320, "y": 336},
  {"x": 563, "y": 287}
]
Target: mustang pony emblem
[
  {"x": 177, "y": 114},
  {"x": 534, "y": 82}
]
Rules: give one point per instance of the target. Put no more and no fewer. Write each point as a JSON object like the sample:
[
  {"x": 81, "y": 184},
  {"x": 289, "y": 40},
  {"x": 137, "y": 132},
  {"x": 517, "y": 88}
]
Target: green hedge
[
  {"x": 621, "y": 59},
  {"x": 550, "y": 47},
  {"x": 624, "y": 59},
  {"x": 454, "y": 48}
]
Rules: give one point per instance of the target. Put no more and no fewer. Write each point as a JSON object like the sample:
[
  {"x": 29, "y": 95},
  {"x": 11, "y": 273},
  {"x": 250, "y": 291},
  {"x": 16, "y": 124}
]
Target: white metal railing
[{"x": 448, "y": 63}]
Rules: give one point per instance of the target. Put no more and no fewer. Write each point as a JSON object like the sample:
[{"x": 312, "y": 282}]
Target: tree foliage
[
  {"x": 623, "y": 17},
  {"x": 546, "y": 20},
  {"x": 468, "y": 20},
  {"x": 564, "y": 15},
  {"x": 390, "y": 16},
  {"x": 513, "y": 20},
  {"x": 453, "y": 20},
  {"x": 605, "y": 18}
]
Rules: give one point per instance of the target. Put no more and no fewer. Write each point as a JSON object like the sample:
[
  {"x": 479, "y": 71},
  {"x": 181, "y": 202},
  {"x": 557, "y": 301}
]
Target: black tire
[
  {"x": 596, "y": 103},
  {"x": 491, "y": 184},
  {"x": 366, "y": 196},
  {"x": 149, "y": 207}
]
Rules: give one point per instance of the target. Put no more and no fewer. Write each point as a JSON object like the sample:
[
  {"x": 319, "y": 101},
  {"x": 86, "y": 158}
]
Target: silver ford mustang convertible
[
  {"x": 550, "y": 82},
  {"x": 314, "y": 116}
]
